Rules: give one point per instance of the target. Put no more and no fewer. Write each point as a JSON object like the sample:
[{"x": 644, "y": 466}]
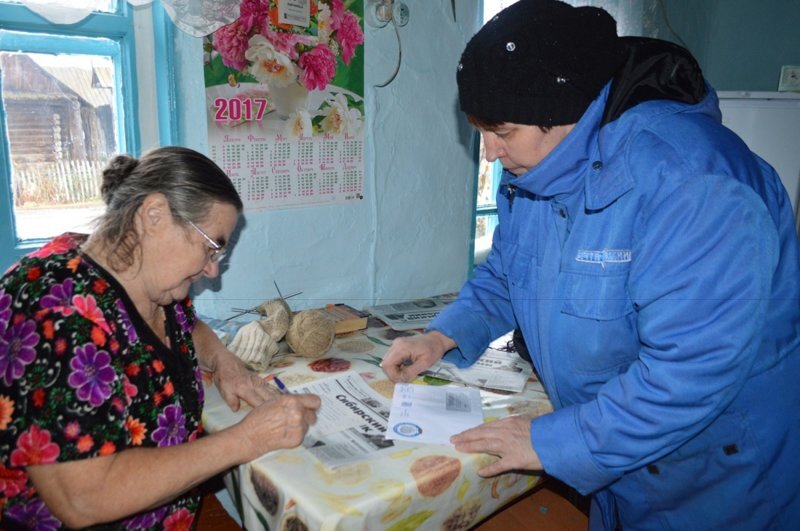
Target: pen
[
  {"x": 405, "y": 363},
  {"x": 281, "y": 386}
]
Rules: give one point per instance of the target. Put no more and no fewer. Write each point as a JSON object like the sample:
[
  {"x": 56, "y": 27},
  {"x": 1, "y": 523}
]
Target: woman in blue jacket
[{"x": 651, "y": 263}]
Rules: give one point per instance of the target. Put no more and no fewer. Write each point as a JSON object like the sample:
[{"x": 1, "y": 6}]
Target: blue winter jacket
[{"x": 651, "y": 263}]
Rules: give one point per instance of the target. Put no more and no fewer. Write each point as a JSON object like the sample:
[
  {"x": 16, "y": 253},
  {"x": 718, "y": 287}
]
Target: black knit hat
[{"x": 538, "y": 62}]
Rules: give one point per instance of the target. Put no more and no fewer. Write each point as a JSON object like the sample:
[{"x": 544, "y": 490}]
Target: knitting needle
[{"x": 242, "y": 311}]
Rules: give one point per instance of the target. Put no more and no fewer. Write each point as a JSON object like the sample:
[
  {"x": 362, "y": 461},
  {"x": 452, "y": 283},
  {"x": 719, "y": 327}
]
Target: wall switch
[{"x": 790, "y": 78}]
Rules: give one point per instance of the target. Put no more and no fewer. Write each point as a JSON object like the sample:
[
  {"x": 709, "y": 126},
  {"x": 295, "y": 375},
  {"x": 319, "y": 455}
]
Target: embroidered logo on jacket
[{"x": 604, "y": 256}]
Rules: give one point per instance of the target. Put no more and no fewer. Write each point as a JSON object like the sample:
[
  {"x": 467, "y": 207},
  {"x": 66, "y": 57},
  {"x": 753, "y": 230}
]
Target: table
[{"x": 419, "y": 487}]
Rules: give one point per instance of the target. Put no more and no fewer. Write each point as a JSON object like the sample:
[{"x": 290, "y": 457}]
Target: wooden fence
[{"x": 67, "y": 182}]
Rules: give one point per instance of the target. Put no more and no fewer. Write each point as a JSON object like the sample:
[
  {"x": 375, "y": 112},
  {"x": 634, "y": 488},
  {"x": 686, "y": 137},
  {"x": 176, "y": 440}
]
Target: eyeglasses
[{"x": 217, "y": 251}]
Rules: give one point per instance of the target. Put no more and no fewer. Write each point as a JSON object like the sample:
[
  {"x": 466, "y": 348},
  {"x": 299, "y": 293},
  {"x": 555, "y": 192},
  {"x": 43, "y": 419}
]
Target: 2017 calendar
[{"x": 285, "y": 103}]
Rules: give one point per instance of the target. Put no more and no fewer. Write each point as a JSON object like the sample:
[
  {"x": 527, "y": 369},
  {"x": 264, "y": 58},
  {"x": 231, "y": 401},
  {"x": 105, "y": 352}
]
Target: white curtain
[{"x": 195, "y": 17}]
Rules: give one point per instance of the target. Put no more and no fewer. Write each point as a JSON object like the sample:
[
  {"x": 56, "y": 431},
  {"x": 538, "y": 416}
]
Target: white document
[{"x": 432, "y": 414}]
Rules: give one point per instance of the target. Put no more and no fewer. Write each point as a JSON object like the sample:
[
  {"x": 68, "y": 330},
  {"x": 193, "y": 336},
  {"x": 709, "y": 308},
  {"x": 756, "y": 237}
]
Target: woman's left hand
[
  {"x": 508, "y": 438},
  {"x": 236, "y": 382}
]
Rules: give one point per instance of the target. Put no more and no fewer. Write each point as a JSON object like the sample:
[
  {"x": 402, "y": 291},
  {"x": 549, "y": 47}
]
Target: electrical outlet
[
  {"x": 790, "y": 78},
  {"x": 400, "y": 13},
  {"x": 378, "y": 13}
]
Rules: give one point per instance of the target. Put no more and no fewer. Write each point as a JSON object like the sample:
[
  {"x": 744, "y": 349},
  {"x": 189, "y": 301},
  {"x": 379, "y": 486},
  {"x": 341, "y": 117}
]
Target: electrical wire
[{"x": 399, "y": 57}]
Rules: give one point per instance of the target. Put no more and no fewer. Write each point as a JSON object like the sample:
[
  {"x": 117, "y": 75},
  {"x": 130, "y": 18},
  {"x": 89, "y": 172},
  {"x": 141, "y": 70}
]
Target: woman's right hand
[
  {"x": 278, "y": 423},
  {"x": 409, "y": 356}
]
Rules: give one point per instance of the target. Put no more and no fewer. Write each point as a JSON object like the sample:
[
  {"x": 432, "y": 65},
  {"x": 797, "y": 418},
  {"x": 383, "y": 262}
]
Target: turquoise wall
[
  {"x": 740, "y": 44},
  {"x": 411, "y": 235}
]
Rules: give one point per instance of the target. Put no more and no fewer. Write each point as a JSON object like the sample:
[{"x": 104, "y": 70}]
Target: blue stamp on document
[{"x": 407, "y": 429}]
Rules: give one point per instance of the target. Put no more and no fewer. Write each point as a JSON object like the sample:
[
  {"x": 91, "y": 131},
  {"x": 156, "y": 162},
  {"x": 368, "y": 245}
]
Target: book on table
[{"x": 346, "y": 318}]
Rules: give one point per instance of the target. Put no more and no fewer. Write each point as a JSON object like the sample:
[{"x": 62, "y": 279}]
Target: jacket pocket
[
  {"x": 600, "y": 297},
  {"x": 686, "y": 489},
  {"x": 597, "y": 326}
]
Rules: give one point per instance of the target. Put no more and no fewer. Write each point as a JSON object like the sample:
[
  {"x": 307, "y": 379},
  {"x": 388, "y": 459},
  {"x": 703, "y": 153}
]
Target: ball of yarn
[
  {"x": 277, "y": 317},
  {"x": 310, "y": 333},
  {"x": 254, "y": 346}
]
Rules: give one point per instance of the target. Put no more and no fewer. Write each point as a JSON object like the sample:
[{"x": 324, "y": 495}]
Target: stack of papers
[
  {"x": 414, "y": 314},
  {"x": 496, "y": 369}
]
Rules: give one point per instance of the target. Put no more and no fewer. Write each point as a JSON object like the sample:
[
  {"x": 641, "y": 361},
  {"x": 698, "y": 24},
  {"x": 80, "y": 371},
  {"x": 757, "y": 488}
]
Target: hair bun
[{"x": 114, "y": 173}]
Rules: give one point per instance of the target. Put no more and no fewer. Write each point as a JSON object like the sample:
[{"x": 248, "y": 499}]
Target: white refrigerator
[{"x": 769, "y": 122}]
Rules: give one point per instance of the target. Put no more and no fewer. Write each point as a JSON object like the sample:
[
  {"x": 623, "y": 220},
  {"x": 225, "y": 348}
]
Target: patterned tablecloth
[{"x": 420, "y": 487}]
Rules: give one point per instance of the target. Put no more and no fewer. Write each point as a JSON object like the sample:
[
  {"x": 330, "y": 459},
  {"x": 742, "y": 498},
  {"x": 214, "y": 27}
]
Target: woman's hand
[
  {"x": 231, "y": 376},
  {"x": 280, "y": 423},
  {"x": 84, "y": 492},
  {"x": 409, "y": 356},
  {"x": 236, "y": 382},
  {"x": 508, "y": 438}
]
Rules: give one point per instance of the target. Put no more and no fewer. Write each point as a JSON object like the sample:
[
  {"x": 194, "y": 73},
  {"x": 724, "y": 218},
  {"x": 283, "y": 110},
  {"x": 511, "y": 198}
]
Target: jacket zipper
[{"x": 511, "y": 190}]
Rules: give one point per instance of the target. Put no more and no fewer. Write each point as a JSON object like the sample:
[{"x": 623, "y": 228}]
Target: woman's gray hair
[{"x": 189, "y": 180}]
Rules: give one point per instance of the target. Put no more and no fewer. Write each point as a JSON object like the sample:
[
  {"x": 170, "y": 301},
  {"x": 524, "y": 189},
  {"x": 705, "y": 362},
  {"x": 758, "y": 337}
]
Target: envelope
[{"x": 432, "y": 414}]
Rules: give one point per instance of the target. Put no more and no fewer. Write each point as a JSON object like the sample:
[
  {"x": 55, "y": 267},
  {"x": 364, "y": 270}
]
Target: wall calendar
[{"x": 285, "y": 102}]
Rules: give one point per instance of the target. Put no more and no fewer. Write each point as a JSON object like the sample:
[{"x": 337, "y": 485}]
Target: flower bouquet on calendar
[{"x": 305, "y": 64}]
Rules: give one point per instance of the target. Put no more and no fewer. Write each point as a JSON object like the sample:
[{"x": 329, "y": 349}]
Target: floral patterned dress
[{"x": 82, "y": 375}]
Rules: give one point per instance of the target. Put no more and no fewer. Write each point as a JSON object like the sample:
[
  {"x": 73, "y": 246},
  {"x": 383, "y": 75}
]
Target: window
[
  {"x": 485, "y": 204},
  {"x": 66, "y": 102},
  {"x": 488, "y": 175}
]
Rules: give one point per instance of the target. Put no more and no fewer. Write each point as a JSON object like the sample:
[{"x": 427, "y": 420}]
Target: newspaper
[
  {"x": 351, "y": 422},
  {"x": 499, "y": 368},
  {"x": 410, "y": 315}
]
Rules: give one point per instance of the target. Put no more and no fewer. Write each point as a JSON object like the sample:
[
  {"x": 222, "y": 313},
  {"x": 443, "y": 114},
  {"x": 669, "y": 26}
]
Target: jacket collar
[
  {"x": 606, "y": 182},
  {"x": 655, "y": 70},
  {"x": 606, "y": 178},
  {"x": 576, "y": 163},
  {"x": 587, "y": 157},
  {"x": 562, "y": 171}
]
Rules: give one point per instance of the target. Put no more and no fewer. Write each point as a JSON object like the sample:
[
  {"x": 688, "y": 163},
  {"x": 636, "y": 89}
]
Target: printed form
[{"x": 432, "y": 414}]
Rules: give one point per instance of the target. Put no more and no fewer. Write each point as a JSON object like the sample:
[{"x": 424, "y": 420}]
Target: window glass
[
  {"x": 488, "y": 174},
  {"x": 486, "y": 179},
  {"x": 486, "y": 211},
  {"x": 484, "y": 230},
  {"x": 61, "y": 121}
]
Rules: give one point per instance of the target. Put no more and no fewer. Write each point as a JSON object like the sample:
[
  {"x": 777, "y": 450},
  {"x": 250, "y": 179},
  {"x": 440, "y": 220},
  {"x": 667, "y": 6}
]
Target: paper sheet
[{"x": 432, "y": 414}]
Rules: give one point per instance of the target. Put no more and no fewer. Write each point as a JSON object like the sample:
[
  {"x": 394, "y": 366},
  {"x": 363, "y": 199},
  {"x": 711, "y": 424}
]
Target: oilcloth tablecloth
[{"x": 420, "y": 487}]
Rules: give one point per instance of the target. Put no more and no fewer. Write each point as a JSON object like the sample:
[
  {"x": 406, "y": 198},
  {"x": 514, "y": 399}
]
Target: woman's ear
[{"x": 154, "y": 212}]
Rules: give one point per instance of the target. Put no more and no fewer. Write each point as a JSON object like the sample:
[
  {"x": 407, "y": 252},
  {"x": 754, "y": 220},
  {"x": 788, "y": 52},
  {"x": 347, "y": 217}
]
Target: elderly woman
[{"x": 101, "y": 356}]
